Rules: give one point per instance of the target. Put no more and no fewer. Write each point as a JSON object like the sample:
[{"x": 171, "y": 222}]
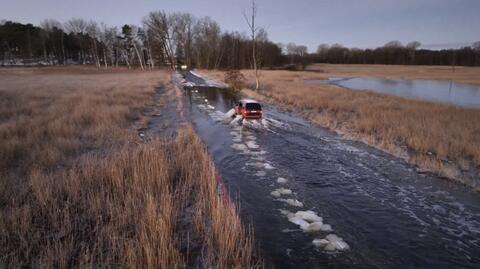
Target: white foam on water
[
  {"x": 258, "y": 158},
  {"x": 206, "y": 100},
  {"x": 256, "y": 153},
  {"x": 230, "y": 113},
  {"x": 210, "y": 107},
  {"x": 264, "y": 123},
  {"x": 236, "y": 120},
  {"x": 255, "y": 164},
  {"x": 281, "y": 180},
  {"x": 320, "y": 242},
  {"x": 268, "y": 166},
  {"x": 239, "y": 146},
  {"x": 286, "y": 213},
  {"x": 252, "y": 145},
  {"x": 237, "y": 128},
  {"x": 251, "y": 137},
  {"x": 237, "y": 139},
  {"x": 261, "y": 173}
]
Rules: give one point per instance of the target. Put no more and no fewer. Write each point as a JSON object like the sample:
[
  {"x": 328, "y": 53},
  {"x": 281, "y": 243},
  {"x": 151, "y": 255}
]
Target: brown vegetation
[
  {"x": 78, "y": 188},
  {"x": 436, "y": 137}
]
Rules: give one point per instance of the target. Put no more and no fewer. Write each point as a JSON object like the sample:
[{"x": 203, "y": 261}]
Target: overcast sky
[{"x": 352, "y": 23}]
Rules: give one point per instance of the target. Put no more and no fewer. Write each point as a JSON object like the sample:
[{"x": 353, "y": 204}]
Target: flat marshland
[
  {"x": 440, "y": 138},
  {"x": 80, "y": 188}
]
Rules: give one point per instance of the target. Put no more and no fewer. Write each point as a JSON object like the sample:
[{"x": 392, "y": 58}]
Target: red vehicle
[{"x": 249, "y": 109}]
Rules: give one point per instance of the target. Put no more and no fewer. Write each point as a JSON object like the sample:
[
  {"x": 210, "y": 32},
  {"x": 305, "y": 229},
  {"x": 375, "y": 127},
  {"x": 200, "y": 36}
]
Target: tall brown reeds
[{"x": 79, "y": 189}]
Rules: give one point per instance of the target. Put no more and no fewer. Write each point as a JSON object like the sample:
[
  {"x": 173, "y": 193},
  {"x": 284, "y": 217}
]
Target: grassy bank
[
  {"x": 439, "y": 138},
  {"x": 79, "y": 188}
]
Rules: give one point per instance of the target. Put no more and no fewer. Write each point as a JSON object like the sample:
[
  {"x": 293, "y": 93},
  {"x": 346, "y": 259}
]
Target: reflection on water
[{"x": 438, "y": 91}]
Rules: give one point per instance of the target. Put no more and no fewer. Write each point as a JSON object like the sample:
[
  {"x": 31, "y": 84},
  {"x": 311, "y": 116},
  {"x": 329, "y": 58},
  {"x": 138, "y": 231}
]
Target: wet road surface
[{"x": 390, "y": 216}]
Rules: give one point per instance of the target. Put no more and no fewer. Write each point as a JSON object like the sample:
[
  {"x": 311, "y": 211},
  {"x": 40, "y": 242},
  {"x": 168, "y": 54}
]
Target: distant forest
[{"x": 171, "y": 39}]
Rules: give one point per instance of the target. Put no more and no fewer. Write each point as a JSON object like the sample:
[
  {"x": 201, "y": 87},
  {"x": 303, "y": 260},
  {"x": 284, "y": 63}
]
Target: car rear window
[{"x": 253, "y": 106}]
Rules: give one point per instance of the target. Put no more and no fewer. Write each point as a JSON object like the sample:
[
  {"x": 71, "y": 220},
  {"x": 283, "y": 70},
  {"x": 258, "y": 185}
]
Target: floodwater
[
  {"x": 459, "y": 94},
  {"x": 389, "y": 215}
]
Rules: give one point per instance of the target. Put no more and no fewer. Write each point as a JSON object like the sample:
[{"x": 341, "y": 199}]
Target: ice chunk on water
[
  {"x": 284, "y": 191},
  {"x": 313, "y": 227},
  {"x": 275, "y": 193},
  {"x": 239, "y": 146},
  {"x": 320, "y": 242},
  {"x": 252, "y": 145},
  {"x": 299, "y": 221},
  {"x": 337, "y": 242},
  {"x": 309, "y": 216},
  {"x": 281, "y": 180},
  {"x": 330, "y": 247},
  {"x": 326, "y": 228},
  {"x": 292, "y": 202}
]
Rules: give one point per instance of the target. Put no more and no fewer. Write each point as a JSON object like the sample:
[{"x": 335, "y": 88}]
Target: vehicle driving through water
[{"x": 249, "y": 109}]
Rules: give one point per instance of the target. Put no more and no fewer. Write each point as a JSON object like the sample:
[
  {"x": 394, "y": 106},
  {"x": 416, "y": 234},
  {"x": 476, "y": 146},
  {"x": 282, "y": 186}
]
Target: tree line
[
  {"x": 394, "y": 52},
  {"x": 163, "y": 39},
  {"x": 173, "y": 39}
]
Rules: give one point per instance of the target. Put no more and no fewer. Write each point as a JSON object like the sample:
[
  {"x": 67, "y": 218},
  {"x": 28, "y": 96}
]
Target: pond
[{"x": 459, "y": 94}]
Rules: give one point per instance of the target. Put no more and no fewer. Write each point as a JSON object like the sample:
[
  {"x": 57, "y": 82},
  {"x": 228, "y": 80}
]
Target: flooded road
[
  {"x": 431, "y": 90},
  {"x": 386, "y": 214}
]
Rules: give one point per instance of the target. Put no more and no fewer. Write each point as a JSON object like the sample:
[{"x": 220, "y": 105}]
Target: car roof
[{"x": 246, "y": 101}]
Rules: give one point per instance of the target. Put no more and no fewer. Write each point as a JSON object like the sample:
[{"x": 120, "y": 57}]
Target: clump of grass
[
  {"x": 79, "y": 189},
  {"x": 438, "y": 137}
]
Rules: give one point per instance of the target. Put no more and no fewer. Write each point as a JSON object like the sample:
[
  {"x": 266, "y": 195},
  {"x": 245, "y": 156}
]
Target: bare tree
[
  {"x": 476, "y": 45},
  {"x": 183, "y": 25},
  {"x": 76, "y": 25},
  {"x": 161, "y": 29},
  {"x": 94, "y": 33},
  {"x": 207, "y": 42},
  {"x": 412, "y": 47},
  {"x": 253, "y": 31},
  {"x": 393, "y": 44}
]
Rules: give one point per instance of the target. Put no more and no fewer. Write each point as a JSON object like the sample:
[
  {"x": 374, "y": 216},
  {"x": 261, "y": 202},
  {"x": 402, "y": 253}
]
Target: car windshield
[{"x": 253, "y": 106}]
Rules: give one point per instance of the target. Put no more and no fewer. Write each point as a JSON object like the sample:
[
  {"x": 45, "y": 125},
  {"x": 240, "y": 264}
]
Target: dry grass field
[
  {"x": 80, "y": 189},
  {"x": 439, "y": 138}
]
